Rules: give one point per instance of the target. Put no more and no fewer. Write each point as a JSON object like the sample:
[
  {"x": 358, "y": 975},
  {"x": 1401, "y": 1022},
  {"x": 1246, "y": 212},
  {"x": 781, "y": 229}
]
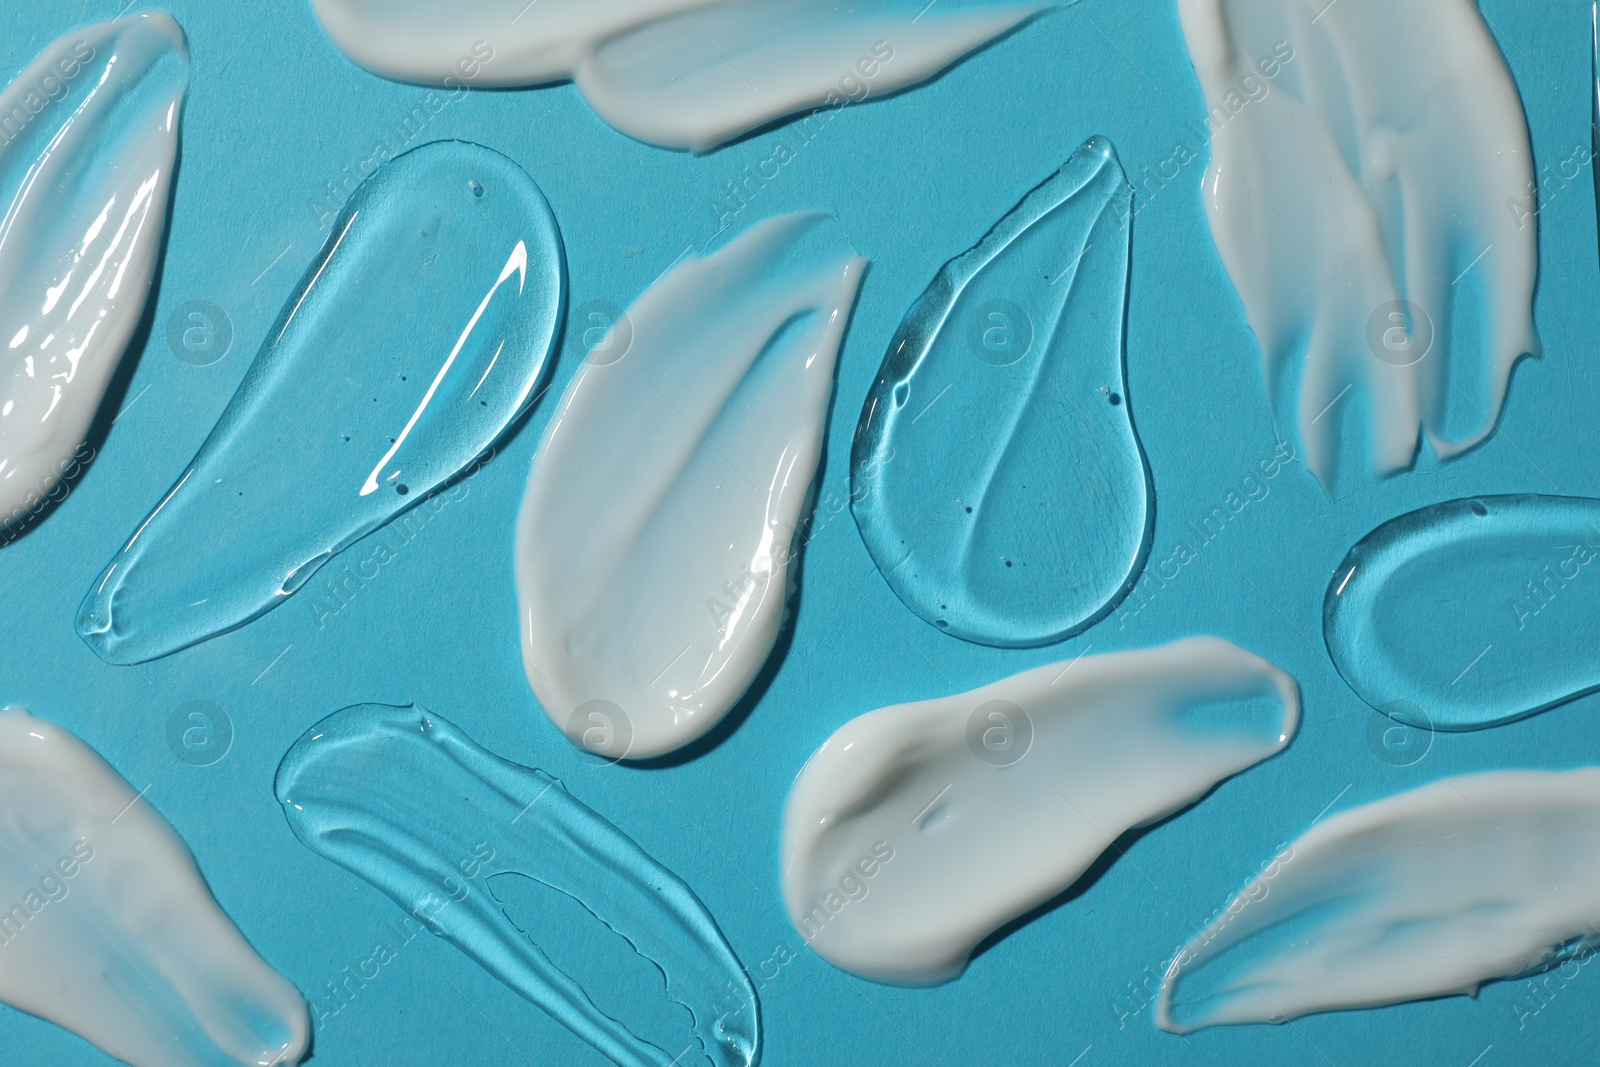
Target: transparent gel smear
[
  {"x": 1430, "y": 893},
  {"x": 111, "y": 931},
  {"x": 996, "y": 476},
  {"x": 446, "y": 828},
  {"x": 1471, "y": 613},
  {"x": 412, "y": 343}
]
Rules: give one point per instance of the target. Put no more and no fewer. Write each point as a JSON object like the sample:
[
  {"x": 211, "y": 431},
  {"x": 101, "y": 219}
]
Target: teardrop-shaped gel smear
[
  {"x": 1426, "y": 894},
  {"x": 1369, "y": 160},
  {"x": 412, "y": 343},
  {"x": 654, "y": 547},
  {"x": 1470, "y": 613},
  {"x": 110, "y": 931},
  {"x": 675, "y": 73},
  {"x": 88, "y": 140},
  {"x": 997, "y": 479},
  {"x": 918, "y": 830},
  {"x": 407, "y": 801}
]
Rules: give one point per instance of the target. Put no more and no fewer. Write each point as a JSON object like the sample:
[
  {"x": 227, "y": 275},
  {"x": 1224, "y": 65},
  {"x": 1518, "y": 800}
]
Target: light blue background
[{"x": 275, "y": 112}]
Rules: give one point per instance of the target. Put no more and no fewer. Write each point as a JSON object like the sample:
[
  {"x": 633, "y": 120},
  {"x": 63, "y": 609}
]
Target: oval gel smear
[
  {"x": 1470, "y": 613},
  {"x": 407, "y": 801},
  {"x": 87, "y": 151},
  {"x": 655, "y": 542},
  {"x": 674, "y": 74},
  {"x": 1426, "y": 894},
  {"x": 918, "y": 830},
  {"x": 111, "y": 932},
  {"x": 1363, "y": 155},
  {"x": 411, "y": 345},
  {"x": 996, "y": 476}
]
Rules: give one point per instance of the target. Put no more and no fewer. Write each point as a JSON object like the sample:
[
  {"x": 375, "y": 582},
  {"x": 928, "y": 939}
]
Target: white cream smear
[
  {"x": 88, "y": 138},
  {"x": 1367, "y": 160},
  {"x": 675, "y": 73},
  {"x": 917, "y": 830},
  {"x": 654, "y": 545},
  {"x": 107, "y": 928},
  {"x": 1425, "y": 894}
]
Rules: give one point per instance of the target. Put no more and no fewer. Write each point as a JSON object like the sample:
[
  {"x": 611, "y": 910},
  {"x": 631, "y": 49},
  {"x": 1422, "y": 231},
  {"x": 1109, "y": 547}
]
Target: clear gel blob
[
  {"x": 1470, "y": 613},
  {"x": 412, "y": 343},
  {"x": 407, "y": 801},
  {"x": 1430, "y": 893},
  {"x": 996, "y": 476}
]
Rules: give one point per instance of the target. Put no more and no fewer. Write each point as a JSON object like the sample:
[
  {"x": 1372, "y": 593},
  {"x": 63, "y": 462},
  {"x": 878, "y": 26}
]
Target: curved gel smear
[
  {"x": 654, "y": 546},
  {"x": 1471, "y": 613},
  {"x": 996, "y": 476},
  {"x": 675, "y": 73},
  {"x": 1425, "y": 894},
  {"x": 111, "y": 932},
  {"x": 918, "y": 830},
  {"x": 413, "y": 342},
  {"x": 88, "y": 145},
  {"x": 1363, "y": 157},
  {"x": 410, "y": 803}
]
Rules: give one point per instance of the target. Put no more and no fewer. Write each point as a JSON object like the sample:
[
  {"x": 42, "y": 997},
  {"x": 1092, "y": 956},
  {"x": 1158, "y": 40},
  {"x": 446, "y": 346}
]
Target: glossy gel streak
[
  {"x": 996, "y": 476},
  {"x": 407, "y": 801},
  {"x": 1470, "y": 613},
  {"x": 414, "y": 341}
]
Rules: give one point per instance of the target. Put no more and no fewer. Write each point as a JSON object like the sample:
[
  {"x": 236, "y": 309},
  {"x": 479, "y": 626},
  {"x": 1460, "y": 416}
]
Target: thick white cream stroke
[
  {"x": 134, "y": 955},
  {"x": 1113, "y": 742},
  {"x": 653, "y": 549},
  {"x": 1382, "y": 163}
]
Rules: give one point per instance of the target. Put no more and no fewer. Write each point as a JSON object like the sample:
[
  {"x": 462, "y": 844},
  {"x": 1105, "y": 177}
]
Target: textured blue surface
[{"x": 276, "y": 116}]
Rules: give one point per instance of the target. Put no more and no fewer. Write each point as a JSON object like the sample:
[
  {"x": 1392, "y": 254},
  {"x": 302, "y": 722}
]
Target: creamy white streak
[
  {"x": 1425, "y": 894},
  {"x": 1367, "y": 157},
  {"x": 107, "y": 928},
  {"x": 88, "y": 139},
  {"x": 676, "y": 73},
  {"x": 653, "y": 550},
  {"x": 917, "y": 830}
]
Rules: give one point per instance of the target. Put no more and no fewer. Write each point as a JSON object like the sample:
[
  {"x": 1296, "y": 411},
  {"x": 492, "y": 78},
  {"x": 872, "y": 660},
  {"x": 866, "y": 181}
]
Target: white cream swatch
[
  {"x": 1366, "y": 158},
  {"x": 917, "y": 830},
  {"x": 88, "y": 139},
  {"x": 655, "y": 540},
  {"x": 1426, "y": 894},
  {"x": 107, "y": 928},
  {"x": 686, "y": 74}
]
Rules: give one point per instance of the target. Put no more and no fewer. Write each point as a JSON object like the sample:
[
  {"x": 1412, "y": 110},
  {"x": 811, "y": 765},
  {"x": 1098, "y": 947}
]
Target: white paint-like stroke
[
  {"x": 107, "y": 928},
  {"x": 1369, "y": 160},
  {"x": 677, "y": 73},
  {"x": 1426, "y": 894},
  {"x": 918, "y": 830},
  {"x": 654, "y": 547}
]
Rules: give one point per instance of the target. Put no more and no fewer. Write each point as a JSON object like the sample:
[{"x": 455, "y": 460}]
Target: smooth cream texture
[
  {"x": 90, "y": 135},
  {"x": 655, "y": 541},
  {"x": 675, "y": 73},
  {"x": 108, "y": 928},
  {"x": 1378, "y": 165},
  {"x": 917, "y": 830},
  {"x": 1425, "y": 894}
]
